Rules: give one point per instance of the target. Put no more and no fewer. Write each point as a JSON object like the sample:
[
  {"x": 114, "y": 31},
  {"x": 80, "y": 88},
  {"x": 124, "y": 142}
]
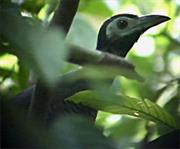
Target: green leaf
[
  {"x": 40, "y": 48},
  {"x": 82, "y": 33},
  {"x": 122, "y": 130},
  {"x": 97, "y": 8},
  {"x": 79, "y": 133},
  {"x": 100, "y": 73},
  {"x": 120, "y": 104},
  {"x": 33, "y": 6}
]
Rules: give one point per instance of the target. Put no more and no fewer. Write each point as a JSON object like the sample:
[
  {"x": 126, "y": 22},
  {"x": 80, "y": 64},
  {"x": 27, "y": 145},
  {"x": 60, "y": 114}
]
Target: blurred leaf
[
  {"x": 5, "y": 72},
  {"x": 145, "y": 64},
  {"x": 46, "y": 11},
  {"x": 23, "y": 77},
  {"x": 78, "y": 133},
  {"x": 33, "y": 6},
  {"x": 124, "y": 128},
  {"x": 97, "y": 8},
  {"x": 42, "y": 49},
  {"x": 120, "y": 104},
  {"x": 9, "y": 6},
  {"x": 106, "y": 72},
  {"x": 69, "y": 132},
  {"x": 82, "y": 33},
  {"x": 127, "y": 131},
  {"x": 173, "y": 107},
  {"x": 168, "y": 92}
]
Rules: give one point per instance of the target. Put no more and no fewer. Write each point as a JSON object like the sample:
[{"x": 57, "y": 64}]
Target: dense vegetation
[{"x": 139, "y": 106}]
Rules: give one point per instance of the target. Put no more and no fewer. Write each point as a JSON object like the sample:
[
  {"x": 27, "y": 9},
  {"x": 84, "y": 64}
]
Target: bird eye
[{"x": 121, "y": 24}]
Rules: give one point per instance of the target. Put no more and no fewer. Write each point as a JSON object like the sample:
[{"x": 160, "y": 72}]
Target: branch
[
  {"x": 83, "y": 56},
  {"x": 42, "y": 94},
  {"x": 65, "y": 13},
  {"x": 113, "y": 63}
]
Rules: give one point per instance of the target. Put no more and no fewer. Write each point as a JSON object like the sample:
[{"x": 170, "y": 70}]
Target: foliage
[
  {"x": 38, "y": 47},
  {"x": 28, "y": 46},
  {"x": 120, "y": 104}
]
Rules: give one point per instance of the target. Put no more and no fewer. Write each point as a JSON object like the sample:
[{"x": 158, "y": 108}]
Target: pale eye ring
[{"x": 121, "y": 24}]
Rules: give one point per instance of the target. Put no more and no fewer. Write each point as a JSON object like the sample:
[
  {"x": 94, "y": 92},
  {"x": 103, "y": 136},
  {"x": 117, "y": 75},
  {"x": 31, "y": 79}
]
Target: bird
[{"x": 116, "y": 36}]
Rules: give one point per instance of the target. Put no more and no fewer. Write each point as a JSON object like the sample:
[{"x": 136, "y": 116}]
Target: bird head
[{"x": 118, "y": 34}]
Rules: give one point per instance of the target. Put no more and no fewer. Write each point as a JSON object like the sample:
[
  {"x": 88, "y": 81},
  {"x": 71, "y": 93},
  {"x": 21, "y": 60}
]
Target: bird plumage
[
  {"x": 105, "y": 44},
  {"x": 118, "y": 34}
]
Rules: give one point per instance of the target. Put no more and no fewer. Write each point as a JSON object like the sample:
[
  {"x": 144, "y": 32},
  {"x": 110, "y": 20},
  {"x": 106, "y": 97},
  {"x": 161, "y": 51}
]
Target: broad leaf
[
  {"x": 106, "y": 72},
  {"x": 40, "y": 48},
  {"x": 120, "y": 104},
  {"x": 82, "y": 33},
  {"x": 98, "y": 8},
  {"x": 79, "y": 133}
]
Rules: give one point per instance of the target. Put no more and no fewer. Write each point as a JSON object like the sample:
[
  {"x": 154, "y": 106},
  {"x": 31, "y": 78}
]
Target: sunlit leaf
[
  {"x": 122, "y": 130},
  {"x": 120, "y": 104},
  {"x": 33, "y": 6}
]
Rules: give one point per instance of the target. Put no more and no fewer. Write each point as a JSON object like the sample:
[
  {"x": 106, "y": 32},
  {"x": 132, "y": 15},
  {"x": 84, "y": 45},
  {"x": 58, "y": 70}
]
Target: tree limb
[
  {"x": 83, "y": 56},
  {"x": 65, "y": 13},
  {"x": 42, "y": 94}
]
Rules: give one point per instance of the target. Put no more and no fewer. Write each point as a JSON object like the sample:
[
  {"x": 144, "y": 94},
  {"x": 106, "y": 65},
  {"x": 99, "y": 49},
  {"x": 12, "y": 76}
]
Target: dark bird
[
  {"x": 116, "y": 36},
  {"x": 119, "y": 33}
]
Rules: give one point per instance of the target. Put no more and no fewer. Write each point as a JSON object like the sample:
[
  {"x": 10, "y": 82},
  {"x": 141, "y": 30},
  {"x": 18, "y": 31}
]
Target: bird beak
[
  {"x": 144, "y": 23},
  {"x": 149, "y": 21}
]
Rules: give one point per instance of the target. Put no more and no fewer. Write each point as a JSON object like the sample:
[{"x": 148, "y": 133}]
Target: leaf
[
  {"x": 98, "y": 8},
  {"x": 79, "y": 133},
  {"x": 40, "y": 48},
  {"x": 82, "y": 33},
  {"x": 33, "y": 6},
  {"x": 122, "y": 129},
  {"x": 120, "y": 104},
  {"x": 106, "y": 72}
]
